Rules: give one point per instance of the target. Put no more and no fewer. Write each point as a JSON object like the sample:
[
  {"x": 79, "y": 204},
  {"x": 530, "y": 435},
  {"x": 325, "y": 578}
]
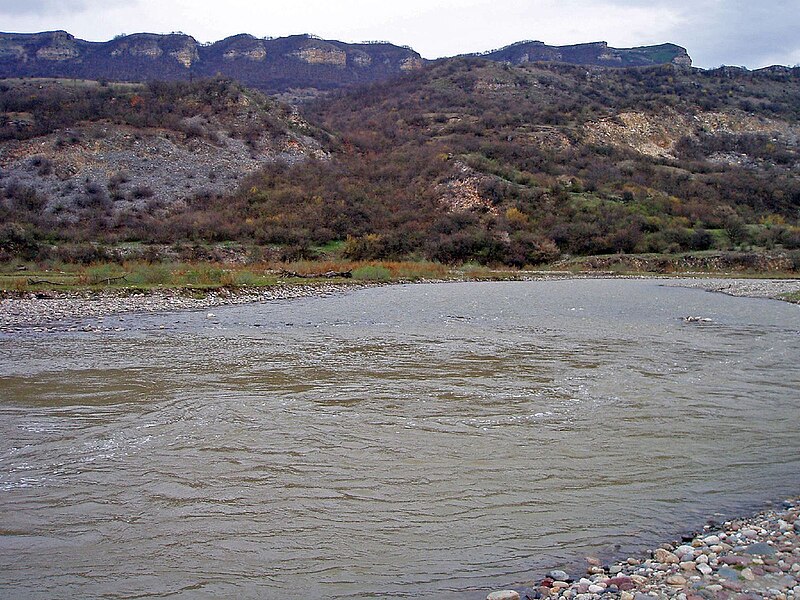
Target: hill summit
[
  {"x": 273, "y": 65},
  {"x": 597, "y": 54},
  {"x": 276, "y": 65}
]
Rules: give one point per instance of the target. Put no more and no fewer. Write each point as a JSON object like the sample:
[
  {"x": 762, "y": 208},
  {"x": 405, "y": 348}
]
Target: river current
[{"x": 420, "y": 441}]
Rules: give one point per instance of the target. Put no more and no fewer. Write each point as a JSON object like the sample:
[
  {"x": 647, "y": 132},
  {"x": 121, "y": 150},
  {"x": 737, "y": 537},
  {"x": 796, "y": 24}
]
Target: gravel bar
[
  {"x": 751, "y": 288},
  {"x": 51, "y": 310}
]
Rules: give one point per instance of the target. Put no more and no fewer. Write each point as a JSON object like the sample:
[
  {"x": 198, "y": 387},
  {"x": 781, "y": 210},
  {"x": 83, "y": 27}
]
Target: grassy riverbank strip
[{"x": 744, "y": 559}]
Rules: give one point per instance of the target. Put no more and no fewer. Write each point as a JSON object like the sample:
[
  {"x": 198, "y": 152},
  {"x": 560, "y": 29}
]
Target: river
[{"x": 419, "y": 441}]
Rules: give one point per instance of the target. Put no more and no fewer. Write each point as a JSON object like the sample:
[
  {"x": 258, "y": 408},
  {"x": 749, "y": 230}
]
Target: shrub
[
  {"x": 18, "y": 240},
  {"x": 245, "y": 278},
  {"x": 372, "y": 273},
  {"x": 142, "y": 191},
  {"x": 205, "y": 275},
  {"x": 101, "y": 273},
  {"x": 701, "y": 239}
]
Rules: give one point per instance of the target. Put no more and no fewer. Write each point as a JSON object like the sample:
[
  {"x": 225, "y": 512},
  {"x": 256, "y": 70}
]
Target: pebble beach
[{"x": 742, "y": 559}]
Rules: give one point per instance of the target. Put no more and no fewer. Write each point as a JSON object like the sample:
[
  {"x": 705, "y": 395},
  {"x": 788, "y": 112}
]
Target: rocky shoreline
[
  {"x": 750, "y": 288},
  {"x": 741, "y": 559},
  {"x": 57, "y": 310}
]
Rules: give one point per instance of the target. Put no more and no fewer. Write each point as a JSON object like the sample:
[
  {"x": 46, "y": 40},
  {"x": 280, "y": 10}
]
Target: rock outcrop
[{"x": 273, "y": 65}]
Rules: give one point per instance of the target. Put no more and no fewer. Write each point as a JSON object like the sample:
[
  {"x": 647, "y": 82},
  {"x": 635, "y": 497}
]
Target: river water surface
[{"x": 423, "y": 441}]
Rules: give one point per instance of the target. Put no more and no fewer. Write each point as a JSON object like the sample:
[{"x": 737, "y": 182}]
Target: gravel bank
[
  {"x": 742, "y": 559},
  {"x": 751, "y": 288},
  {"x": 57, "y": 311}
]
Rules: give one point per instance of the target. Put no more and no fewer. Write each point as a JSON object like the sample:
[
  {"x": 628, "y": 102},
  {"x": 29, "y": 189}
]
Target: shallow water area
[{"x": 397, "y": 442}]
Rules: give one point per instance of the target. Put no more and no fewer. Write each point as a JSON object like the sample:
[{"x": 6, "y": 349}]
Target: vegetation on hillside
[
  {"x": 33, "y": 108},
  {"x": 516, "y": 138},
  {"x": 469, "y": 160}
]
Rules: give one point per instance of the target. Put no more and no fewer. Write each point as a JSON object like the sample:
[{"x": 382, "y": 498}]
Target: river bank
[
  {"x": 747, "y": 558},
  {"x": 58, "y": 310}
]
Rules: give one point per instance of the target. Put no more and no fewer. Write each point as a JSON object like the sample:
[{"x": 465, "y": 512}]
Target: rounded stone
[
  {"x": 704, "y": 569},
  {"x": 760, "y": 548},
  {"x": 665, "y": 556},
  {"x": 596, "y": 570},
  {"x": 558, "y": 575},
  {"x": 676, "y": 580},
  {"x": 750, "y": 533},
  {"x": 503, "y": 595}
]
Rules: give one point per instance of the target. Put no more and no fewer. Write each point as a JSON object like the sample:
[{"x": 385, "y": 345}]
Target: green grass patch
[
  {"x": 103, "y": 274},
  {"x": 792, "y": 297},
  {"x": 333, "y": 247}
]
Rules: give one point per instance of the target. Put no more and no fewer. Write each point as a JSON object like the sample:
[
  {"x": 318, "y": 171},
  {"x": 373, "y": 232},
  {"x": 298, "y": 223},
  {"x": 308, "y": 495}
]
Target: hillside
[
  {"x": 80, "y": 160},
  {"x": 596, "y": 54},
  {"x": 273, "y": 65},
  {"x": 473, "y": 160}
]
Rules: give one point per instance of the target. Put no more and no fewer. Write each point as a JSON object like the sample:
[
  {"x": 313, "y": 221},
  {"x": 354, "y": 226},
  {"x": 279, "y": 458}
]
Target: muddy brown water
[{"x": 425, "y": 441}]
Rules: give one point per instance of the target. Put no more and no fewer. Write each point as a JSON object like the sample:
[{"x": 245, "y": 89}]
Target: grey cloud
[
  {"x": 749, "y": 34},
  {"x": 41, "y": 7},
  {"x": 732, "y": 32}
]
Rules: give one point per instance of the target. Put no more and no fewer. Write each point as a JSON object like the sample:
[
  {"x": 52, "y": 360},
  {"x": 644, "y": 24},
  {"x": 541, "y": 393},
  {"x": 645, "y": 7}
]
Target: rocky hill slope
[{"x": 84, "y": 156}]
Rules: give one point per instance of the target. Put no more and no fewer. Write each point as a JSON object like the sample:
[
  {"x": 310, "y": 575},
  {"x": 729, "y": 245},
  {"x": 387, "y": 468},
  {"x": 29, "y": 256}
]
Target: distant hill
[
  {"x": 272, "y": 65},
  {"x": 597, "y": 54},
  {"x": 278, "y": 65}
]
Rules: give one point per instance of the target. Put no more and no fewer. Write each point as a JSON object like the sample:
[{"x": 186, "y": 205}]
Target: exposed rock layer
[{"x": 274, "y": 65}]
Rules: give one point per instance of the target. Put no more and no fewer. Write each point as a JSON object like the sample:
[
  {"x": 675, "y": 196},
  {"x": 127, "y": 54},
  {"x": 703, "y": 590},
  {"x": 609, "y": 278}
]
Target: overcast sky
[{"x": 751, "y": 33}]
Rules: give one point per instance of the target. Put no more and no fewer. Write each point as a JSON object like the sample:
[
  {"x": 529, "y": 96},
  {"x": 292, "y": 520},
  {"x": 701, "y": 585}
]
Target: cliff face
[
  {"x": 598, "y": 53},
  {"x": 274, "y": 65}
]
